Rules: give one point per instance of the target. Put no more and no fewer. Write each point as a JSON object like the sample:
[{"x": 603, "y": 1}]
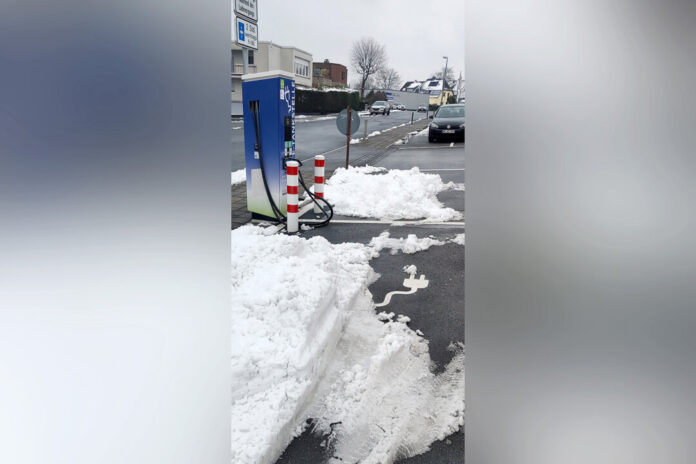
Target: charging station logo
[
  {"x": 285, "y": 94},
  {"x": 241, "y": 31}
]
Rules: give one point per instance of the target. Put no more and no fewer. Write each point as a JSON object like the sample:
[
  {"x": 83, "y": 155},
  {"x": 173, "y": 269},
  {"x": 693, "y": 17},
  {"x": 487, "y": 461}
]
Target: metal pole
[
  {"x": 365, "y": 133},
  {"x": 444, "y": 76},
  {"x": 350, "y": 116},
  {"x": 411, "y": 117},
  {"x": 245, "y": 61}
]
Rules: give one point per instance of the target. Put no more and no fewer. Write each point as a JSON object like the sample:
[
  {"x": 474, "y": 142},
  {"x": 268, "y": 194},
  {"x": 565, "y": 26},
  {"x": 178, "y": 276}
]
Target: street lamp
[{"x": 444, "y": 76}]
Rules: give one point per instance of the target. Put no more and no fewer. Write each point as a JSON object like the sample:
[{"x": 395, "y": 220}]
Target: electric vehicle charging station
[{"x": 269, "y": 140}]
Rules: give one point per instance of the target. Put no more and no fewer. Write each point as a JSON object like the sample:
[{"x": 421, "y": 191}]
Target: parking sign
[{"x": 247, "y": 33}]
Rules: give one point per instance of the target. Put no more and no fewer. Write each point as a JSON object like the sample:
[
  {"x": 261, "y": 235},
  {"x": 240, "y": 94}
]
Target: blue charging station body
[{"x": 273, "y": 95}]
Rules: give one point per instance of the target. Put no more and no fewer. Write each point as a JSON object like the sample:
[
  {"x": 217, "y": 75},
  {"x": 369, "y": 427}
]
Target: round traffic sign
[{"x": 342, "y": 122}]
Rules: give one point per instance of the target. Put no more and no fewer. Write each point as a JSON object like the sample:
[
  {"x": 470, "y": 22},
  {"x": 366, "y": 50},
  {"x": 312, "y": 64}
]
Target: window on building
[
  {"x": 301, "y": 67},
  {"x": 232, "y": 84},
  {"x": 343, "y": 75},
  {"x": 251, "y": 56}
]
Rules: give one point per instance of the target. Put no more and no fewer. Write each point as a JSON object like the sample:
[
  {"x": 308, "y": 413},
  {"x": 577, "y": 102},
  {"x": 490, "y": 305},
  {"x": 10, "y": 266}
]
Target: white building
[{"x": 268, "y": 57}]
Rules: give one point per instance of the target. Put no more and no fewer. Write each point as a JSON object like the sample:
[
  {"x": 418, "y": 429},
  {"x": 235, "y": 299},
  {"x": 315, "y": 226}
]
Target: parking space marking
[
  {"x": 427, "y": 147},
  {"x": 411, "y": 283},
  {"x": 399, "y": 223}
]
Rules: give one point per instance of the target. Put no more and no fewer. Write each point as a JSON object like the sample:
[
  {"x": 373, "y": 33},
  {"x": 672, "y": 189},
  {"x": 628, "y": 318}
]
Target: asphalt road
[
  {"x": 319, "y": 135},
  {"x": 438, "y": 310}
]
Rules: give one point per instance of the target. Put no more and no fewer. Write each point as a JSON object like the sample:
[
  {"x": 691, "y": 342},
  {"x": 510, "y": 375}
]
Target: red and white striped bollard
[
  {"x": 293, "y": 210},
  {"x": 318, "y": 180}
]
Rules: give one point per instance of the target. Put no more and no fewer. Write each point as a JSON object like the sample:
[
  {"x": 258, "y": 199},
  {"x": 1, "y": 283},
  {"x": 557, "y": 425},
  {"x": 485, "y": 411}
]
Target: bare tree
[
  {"x": 388, "y": 78},
  {"x": 369, "y": 84},
  {"x": 450, "y": 76},
  {"x": 367, "y": 57}
]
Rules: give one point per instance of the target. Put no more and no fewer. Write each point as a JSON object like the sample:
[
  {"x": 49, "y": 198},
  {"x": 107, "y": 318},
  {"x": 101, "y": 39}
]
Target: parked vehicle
[
  {"x": 422, "y": 108},
  {"x": 380, "y": 107},
  {"x": 398, "y": 106},
  {"x": 448, "y": 123}
]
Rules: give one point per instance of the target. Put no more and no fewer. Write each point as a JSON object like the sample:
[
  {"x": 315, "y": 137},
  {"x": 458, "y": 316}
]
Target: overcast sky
[{"x": 416, "y": 34}]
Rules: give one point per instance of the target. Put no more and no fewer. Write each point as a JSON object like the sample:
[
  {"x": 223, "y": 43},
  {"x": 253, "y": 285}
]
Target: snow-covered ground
[
  {"x": 238, "y": 176},
  {"x": 314, "y": 117},
  {"x": 389, "y": 194},
  {"x": 310, "y": 345}
]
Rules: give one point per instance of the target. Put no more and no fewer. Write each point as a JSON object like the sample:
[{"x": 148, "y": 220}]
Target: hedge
[{"x": 316, "y": 101}]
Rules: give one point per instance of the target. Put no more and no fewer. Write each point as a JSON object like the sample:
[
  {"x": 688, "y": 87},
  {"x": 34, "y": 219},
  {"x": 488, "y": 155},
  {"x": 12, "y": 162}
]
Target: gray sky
[{"x": 416, "y": 34}]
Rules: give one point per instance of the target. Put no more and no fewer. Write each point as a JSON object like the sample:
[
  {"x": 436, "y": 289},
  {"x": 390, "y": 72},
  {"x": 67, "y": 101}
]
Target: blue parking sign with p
[{"x": 241, "y": 30}]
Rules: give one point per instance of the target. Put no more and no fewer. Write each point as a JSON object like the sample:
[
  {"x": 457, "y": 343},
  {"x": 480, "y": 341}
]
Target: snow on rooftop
[{"x": 391, "y": 194}]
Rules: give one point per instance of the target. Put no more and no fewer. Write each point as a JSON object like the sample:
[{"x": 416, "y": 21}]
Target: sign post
[
  {"x": 245, "y": 23},
  {"x": 348, "y": 137},
  {"x": 347, "y": 122}
]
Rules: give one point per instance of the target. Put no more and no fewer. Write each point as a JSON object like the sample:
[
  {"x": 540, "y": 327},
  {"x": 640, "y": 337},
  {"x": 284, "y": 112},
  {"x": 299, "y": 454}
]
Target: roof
[
  {"x": 435, "y": 84},
  {"x": 283, "y": 46},
  {"x": 411, "y": 85}
]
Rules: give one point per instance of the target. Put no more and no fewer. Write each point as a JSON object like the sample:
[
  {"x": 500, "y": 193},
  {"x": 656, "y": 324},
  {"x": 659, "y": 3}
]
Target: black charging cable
[
  {"x": 280, "y": 218},
  {"x": 314, "y": 197},
  {"x": 257, "y": 147}
]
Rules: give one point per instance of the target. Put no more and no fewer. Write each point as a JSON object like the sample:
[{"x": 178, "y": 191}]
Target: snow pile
[
  {"x": 381, "y": 402},
  {"x": 370, "y": 169},
  {"x": 309, "y": 345},
  {"x": 458, "y": 239},
  {"x": 238, "y": 176},
  {"x": 282, "y": 336},
  {"x": 372, "y": 134},
  {"x": 410, "y": 269},
  {"x": 354, "y": 141},
  {"x": 409, "y": 245},
  {"x": 313, "y": 118},
  {"x": 396, "y": 194}
]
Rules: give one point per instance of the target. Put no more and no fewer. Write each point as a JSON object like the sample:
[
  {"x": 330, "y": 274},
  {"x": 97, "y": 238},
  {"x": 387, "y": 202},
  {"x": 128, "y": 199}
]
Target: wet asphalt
[{"x": 318, "y": 134}]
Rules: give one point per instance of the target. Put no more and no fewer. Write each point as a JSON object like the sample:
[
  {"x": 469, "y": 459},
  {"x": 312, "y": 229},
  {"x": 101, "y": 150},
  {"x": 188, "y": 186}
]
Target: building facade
[
  {"x": 328, "y": 74},
  {"x": 440, "y": 91},
  {"x": 268, "y": 57}
]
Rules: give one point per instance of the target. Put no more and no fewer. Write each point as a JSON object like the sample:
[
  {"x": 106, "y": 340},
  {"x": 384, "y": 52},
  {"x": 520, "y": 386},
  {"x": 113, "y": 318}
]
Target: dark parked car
[
  {"x": 448, "y": 123},
  {"x": 380, "y": 107}
]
